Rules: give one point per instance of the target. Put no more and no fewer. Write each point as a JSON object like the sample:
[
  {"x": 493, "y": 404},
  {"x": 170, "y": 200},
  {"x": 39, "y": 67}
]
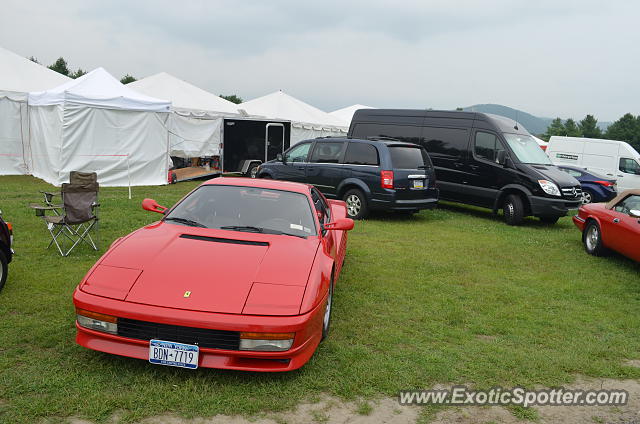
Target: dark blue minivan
[{"x": 368, "y": 175}]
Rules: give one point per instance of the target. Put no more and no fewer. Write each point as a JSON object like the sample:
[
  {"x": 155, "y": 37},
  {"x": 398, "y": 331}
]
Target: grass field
[{"x": 451, "y": 295}]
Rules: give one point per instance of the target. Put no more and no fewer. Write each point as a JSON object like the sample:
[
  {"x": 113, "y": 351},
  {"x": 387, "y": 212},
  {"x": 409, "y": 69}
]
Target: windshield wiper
[
  {"x": 185, "y": 221},
  {"x": 252, "y": 229}
]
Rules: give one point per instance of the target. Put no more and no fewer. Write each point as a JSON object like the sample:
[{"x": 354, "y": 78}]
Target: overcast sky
[{"x": 548, "y": 57}]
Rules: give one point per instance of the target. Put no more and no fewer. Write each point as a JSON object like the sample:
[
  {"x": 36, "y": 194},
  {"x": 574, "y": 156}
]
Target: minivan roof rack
[{"x": 379, "y": 137}]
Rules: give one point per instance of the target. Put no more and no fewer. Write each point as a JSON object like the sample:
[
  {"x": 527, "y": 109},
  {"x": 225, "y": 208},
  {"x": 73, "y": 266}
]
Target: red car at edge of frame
[
  {"x": 237, "y": 275},
  {"x": 614, "y": 225}
]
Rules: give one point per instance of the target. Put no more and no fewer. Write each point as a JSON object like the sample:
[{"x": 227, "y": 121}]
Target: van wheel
[
  {"x": 549, "y": 219},
  {"x": 252, "y": 172},
  {"x": 4, "y": 269},
  {"x": 513, "y": 210},
  {"x": 592, "y": 239},
  {"x": 357, "y": 207}
]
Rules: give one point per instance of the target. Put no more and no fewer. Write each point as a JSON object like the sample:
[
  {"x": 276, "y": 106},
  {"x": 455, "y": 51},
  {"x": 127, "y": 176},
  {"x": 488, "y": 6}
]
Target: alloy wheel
[
  {"x": 586, "y": 197},
  {"x": 592, "y": 238},
  {"x": 354, "y": 204},
  {"x": 327, "y": 311}
]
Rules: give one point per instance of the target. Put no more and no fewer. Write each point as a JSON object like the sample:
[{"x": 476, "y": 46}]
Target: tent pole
[{"x": 129, "y": 175}]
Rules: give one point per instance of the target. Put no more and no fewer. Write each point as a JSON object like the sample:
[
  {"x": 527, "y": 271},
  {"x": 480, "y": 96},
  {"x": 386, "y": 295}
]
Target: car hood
[
  {"x": 555, "y": 174},
  {"x": 204, "y": 269}
]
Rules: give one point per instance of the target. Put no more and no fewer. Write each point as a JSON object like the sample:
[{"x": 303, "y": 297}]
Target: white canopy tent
[
  {"x": 196, "y": 122},
  {"x": 19, "y": 76},
  {"x": 96, "y": 124},
  {"x": 346, "y": 113},
  {"x": 306, "y": 120}
]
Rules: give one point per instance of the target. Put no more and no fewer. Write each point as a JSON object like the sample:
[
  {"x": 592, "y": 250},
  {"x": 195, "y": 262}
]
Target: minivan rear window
[{"x": 406, "y": 157}]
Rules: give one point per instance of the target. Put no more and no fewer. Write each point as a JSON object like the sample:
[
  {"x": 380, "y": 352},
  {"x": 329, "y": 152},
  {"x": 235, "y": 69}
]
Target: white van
[{"x": 613, "y": 158}]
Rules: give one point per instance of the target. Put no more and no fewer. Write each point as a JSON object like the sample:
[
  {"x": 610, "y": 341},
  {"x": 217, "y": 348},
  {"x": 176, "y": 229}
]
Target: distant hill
[{"x": 533, "y": 124}]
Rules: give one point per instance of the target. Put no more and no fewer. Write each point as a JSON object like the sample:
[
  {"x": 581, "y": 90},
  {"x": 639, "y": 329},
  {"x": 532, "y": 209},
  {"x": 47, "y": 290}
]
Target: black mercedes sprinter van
[{"x": 480, "y": 159}]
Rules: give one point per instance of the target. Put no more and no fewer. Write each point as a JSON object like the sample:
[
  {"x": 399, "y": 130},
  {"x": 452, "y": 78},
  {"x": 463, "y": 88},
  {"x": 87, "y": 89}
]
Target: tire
[
  {"x": 587, "y": 197},
  {"x": 357, "y": 207},
  {"x": 4, "y": 269},
  {"x": 592, "y": 239},
  {"x": 326, "y": 320},
  {"x": 549, "y": 219},
  {"x": 252, "y": 171},
  {"x": 513, "y": 210}
]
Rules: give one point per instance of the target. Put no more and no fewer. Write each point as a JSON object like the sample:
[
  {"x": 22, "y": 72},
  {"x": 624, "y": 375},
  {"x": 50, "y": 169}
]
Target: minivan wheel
[
  {"x": 592, "y": 239},
  {"x": 513, "y": 210},
  {"x": 356, "y": 204},
  {"x": 4, "y": 268},
  {"x": 549, "y": 219}
]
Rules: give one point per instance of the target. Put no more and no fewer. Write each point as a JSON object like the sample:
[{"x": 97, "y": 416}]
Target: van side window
[
  {"x": 629, "y": 166},
  {"x": 406, "y": 133},
  {"x": 298, "y": 153},
  {"x": 361, "y": 154},
  {"x": 446, "y": 142},
  {"x": 487, "y": 146},
  {"x": 326, "y": 152}
]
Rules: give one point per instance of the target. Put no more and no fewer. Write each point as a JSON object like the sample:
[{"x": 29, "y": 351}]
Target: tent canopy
[
  {"x": 183, "y": 96},
  {"x": 346, "y": 113},
  {"x": 280, "y": 105},
  {"x": 99, "y": 89},
  {"x": 21, "y": 75}
]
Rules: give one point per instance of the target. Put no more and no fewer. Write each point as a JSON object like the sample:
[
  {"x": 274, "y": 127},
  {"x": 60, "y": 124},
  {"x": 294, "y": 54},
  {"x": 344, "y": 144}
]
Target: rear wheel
[
  {"x": 4, "y": 269},
  {"x": 326, "y": 320},
  {"x": 587, "y": 197},
  {"x": 513, "y": 210},
  {"x": 252, "y": 172},
  {"x": 592, "y": 239},
  {"x": 356, "y": 201}
]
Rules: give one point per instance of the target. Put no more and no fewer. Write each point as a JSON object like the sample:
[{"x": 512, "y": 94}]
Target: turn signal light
[
  {"x": 267, "y": 336},
  {"x": 10, "y": 227},
  {"x": 96, "y": 315},
  {"x": 386, "y": 179}
]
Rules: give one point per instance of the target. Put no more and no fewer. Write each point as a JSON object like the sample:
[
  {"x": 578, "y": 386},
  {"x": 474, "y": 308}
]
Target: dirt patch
[{"x": 632, "y": 363}]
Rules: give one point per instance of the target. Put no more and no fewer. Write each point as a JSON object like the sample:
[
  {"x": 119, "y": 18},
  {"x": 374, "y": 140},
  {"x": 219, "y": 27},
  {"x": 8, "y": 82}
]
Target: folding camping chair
[{"x": 76, "y": 217}]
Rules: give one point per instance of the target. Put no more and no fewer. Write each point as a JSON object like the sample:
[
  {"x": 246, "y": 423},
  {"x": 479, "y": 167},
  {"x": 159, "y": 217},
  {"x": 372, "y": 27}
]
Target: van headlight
[{"x": 549, "y": 187}]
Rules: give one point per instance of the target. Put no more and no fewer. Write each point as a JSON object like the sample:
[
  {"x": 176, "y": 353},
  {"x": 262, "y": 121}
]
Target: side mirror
[
  {"x": 279, "y": 158},
  {"x": 502, "y": 157},
  {"x": 153, "y": 206},
  {"x": 342, "y": 224},
  {"x": 635, "y": 213}
]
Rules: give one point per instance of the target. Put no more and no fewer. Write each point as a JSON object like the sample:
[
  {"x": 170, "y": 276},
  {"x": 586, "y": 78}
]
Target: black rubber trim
[{"x": 224, "y": 240}]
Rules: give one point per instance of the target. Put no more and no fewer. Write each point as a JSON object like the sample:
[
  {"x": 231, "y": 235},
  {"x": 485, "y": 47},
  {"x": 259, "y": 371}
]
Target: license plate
[
  {"x": 173, "y": 354},
  {"x": 418, "y": 183}
]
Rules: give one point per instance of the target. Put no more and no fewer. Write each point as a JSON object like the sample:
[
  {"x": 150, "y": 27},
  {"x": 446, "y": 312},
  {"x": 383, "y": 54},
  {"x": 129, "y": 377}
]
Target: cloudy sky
[{"x": 548, "y": 57}]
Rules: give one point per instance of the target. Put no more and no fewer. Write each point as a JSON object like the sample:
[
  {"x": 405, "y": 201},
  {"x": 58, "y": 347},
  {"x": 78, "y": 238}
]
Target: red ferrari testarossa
[{"x": 239, "y": 275}]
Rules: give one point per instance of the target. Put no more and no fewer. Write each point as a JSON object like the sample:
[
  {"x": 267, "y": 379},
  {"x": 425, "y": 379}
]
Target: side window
[
  {"x": 629, "y": 166},
  {"x": 628, "y": 204},
  {"x": 445, "y": 142},
  {"x": 406, "y": 133},
  {"x": 361, "y": 154},
  {"x": 487, "y": 146},
  {"x": 321, "y": 206},
  {"x": 326, "y": 152},
  {"x": 298, "y": 153}
]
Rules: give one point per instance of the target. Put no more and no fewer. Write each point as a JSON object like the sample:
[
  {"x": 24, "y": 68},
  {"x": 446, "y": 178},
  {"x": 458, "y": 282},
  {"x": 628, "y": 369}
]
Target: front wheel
[
  {"x": 4, "y": 269},
  {"x": 356, "y": 201},
  {"x": 513, "y": 210},
  {"x": 592, "y": 239},
  {"x": 326, "y": 320},
  {"x": 587, "y": 197}
]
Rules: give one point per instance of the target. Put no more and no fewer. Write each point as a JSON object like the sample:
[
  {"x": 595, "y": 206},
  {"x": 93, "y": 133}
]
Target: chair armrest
[{"x": 38, "y": 206}]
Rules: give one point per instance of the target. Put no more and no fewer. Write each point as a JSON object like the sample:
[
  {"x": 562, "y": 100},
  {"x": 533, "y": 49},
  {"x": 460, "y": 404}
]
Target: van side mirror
[
  {"x": 153, "y": 206},
  {"x": 279, "y": 158},
  {"x": 502, "y": 157}
]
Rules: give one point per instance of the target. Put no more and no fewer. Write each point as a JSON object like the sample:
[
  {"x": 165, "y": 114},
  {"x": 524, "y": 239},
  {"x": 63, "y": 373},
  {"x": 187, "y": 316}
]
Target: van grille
[
  {"x": 203, "y": 337},
  {"x": 572, "y": 192}
]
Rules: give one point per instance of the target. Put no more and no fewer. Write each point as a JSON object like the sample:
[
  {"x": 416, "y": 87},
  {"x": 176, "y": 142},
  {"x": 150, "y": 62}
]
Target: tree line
[{"x": 627, "y": 128}]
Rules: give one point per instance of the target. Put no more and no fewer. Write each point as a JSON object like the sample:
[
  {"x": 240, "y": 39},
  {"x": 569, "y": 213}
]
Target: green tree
[
  {"x": 627, "y": 128},
  {"x": 589, "y": 127},
  {"x": 233, "y": 98},
  {"x": 571, "y": 128},
  {"x": 555, "y": 128},
  {"x": 60, "y": 66},
  {"x": 77, "y": 74},
  {"x": 127, "y": 79},
  {"x": 33, "y": 59}
]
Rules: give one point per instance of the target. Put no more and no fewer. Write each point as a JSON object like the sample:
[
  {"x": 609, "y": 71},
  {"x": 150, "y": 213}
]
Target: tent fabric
[
  {"x": 20, "y": 75},
  {"x": 193, "y": 137},
  {"x": 346, "y": 113},
  {"x": 98, "y": 88},
  {"x": 185, "y": 98},
  {"x": 13, "y": 130}
]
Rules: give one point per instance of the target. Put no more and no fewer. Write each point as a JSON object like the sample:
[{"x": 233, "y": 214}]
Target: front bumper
[
  {"x": 544, "y": 206},
  {"x": 579, "y": 222},
  {"x": 307, "y": 329}
]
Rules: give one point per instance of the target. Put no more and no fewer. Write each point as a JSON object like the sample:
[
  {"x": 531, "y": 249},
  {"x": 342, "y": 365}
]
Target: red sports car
[
  {"x": 239, "y": 275},
  {"x": 614, "y": 225}
]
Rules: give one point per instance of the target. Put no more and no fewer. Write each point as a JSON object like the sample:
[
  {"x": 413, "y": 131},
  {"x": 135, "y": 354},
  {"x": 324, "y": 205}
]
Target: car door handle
[{"x": 616, "y": 220}]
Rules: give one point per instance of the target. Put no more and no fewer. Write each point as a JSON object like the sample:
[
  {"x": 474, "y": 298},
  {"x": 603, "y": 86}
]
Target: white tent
[
  {"x": 19, "y": 76},
  {"x": 306, "y": 120},
  {"x": 196, "y": 122},
  {"x": 94, "y": 123},
  {"x": 346, "y": 113}
]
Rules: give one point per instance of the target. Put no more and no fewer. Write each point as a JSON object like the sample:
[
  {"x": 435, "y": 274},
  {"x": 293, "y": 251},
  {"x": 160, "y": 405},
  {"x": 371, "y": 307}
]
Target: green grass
[{"x": 451, "y": 295}]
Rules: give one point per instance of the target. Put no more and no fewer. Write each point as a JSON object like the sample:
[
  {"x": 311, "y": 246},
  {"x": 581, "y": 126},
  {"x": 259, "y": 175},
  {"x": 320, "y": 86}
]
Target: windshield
[
  {"x": 527, "y": 149},
  {"x": 247, "y": 209},
  {"x": 407, "y": 157}
]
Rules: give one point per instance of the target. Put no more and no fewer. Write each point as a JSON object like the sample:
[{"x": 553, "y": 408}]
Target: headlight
[
  {"x": 266, "y": 342},
  {"x": 549, "y": 187},
  {"x": 96, "y": 321}
]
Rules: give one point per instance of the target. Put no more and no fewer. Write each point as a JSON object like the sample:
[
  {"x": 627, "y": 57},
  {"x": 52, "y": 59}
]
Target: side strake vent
[{"x": 224, "y": 240}]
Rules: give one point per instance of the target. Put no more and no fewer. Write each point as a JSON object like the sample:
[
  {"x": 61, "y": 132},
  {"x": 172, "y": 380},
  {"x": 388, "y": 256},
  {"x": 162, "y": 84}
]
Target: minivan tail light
[
  {"x": 604, "y": 183},
  {"x": 386, "y": 179}
]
